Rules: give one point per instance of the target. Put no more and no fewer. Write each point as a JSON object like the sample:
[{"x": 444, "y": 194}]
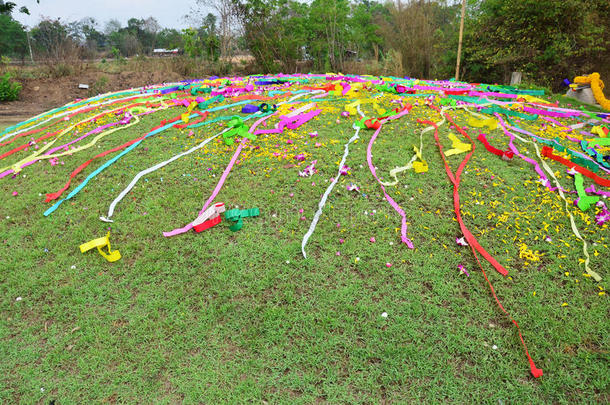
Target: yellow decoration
[
  {"x": 99, "y": 243},
  {"x": 597, "y": 85}
]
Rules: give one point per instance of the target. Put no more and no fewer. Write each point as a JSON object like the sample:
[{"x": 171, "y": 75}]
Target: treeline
[
  {"x": 84, "y": 39},
  {"x": 547, "y": 40}
]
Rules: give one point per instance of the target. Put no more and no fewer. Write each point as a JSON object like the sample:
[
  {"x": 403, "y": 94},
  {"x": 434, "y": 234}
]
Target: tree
[
  {"x": 275, "y": 31},
  {"x": 328, "y": 32},
  {"x": 169, "y": 38},
  {"x": 226, "y": 11},
  {"x": 365, "y": 30},
  {"x": 9, "y": 6},
  {"x": 52, "y": 39},
  {"x": 13, "y": 39},
  {"x": 193, "y": 46},
  {"x": 547, "y": 40}
]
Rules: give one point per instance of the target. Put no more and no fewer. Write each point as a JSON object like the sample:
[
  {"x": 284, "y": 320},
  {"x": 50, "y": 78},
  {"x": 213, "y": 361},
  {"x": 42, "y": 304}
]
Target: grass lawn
[{"x": 239, "y": 317}]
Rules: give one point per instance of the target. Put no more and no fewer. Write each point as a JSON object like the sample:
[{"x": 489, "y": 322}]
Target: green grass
[{"x": 241, "y": 317}]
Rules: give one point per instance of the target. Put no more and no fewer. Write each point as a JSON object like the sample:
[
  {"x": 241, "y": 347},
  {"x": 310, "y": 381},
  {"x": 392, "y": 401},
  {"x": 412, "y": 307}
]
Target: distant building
[{"x": 166, "y": 52}]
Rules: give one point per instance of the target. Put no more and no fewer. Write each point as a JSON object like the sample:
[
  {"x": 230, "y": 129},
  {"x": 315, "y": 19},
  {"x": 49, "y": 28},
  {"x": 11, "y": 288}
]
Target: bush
[{"x": 9, "y": 89}]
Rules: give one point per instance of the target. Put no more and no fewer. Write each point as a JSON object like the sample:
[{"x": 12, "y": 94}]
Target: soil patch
[{"x": 40, "y": 95}]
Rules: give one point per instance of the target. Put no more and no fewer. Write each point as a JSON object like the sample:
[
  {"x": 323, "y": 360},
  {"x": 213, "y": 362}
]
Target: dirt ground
[{"x": 39, "y": 95}]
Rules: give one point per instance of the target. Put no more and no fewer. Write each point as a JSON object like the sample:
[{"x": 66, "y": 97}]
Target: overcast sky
[{"x": 168, "y": 13}]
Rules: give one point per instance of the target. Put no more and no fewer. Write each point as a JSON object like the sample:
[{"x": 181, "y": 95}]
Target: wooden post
[{"x": 459, "y": 53}]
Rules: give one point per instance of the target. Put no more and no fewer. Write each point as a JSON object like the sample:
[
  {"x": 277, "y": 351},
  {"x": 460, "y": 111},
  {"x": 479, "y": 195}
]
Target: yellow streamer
[
  {"x": 99, "y": 243},
  {"x": 458, "y": 146}
]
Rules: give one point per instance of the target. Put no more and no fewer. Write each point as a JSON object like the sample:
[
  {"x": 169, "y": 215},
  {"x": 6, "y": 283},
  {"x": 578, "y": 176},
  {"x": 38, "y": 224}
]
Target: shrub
[{"x": 9, "y": 89}]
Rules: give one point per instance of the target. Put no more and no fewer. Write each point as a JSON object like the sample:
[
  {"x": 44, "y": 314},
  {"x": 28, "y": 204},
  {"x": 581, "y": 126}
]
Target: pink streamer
[
  {"x": 221, "y": 182},
  {"x": 403, "y": 228}
]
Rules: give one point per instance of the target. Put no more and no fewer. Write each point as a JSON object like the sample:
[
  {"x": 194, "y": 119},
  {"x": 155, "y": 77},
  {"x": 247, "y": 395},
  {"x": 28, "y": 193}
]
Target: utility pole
[
  {"x": 27, "y": 33},
  {"x": 459, "y": 53}
]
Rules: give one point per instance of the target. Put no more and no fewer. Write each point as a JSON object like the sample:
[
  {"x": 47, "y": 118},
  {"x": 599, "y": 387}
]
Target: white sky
[{"x": 168, "y": 13}]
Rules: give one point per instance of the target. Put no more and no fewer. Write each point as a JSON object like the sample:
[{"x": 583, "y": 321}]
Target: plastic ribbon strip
[
  {"x": 329, "y": 189},
  {"x": 99, "y": 243}
]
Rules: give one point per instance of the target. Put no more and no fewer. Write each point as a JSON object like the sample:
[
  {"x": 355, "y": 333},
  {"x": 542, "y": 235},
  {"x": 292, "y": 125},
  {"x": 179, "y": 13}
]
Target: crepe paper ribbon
[
  {"x": 291, "y": 121},
  {"x": 394, "y": 172},
  {"x": 599, "y": 130},
  {"x": 202, "y": 118},
  {"x": 219, "y": 185},
  {"x": 205, "y": 105},
  {"x": 151, "y": 169},
  {"x": 210, "y": 218},
  {"x": 16, "y": 168},
  {"x": 458, "y": 146},
  {"x": 99, "y": 243},
  {"x": 59, "y": 134},
  {"x": 544, "y": 179},
  {"x": 236, "y": 216},
  {"x": 495, "y": 109},
  {"x": 419, "y": 167},
  {"x": 109, "y": 163},
  {"x": 62, "y": 132},
  {"x": 390, "y": 200},
  {"x": 599, "y": 158},
  {"x": 547, "y": 152},
  {"x": 560, "y": 190},
  {"x": 574, "y": 156},
  {"x": 329, "y": 189},
  {"x": 238, "y": 128},
  {"x": 489, "y": 123},
  {"x": 227, "y": 171},
  {"x": 584, "y": 201},
  {"x": 6, "y": 133},
  {"x": 504, "y": 154},
  {"x": 547, "y": 113},
  {"x": 455, "y": 180},
  {"x": 513, "y": 89},
  {"x": 185, "y": 116},
  {"x": 249, "y": 109},
  {"x": 200, "y": 89},
  {"x": 471, "y": 100},
  {"x": 474, "y": 244}
]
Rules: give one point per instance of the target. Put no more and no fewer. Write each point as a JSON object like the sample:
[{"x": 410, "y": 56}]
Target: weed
[{"x": 9, "y": 89}]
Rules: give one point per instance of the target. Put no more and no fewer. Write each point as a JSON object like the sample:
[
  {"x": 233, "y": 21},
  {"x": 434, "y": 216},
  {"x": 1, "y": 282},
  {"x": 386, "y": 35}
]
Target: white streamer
[{"x": 322, "y": 202}]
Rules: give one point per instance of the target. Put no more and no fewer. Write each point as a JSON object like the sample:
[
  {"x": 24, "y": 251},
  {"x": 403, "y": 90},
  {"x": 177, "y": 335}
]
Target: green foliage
[
  {"x": 193, "y": 46},
  {"x": 9, "y": 89},
  {"x": 8, "y": 7},
  {"x": 13, "y": 39},
  {"x": 547, "y": 40},
  {"x": 116, "y": 54}
]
